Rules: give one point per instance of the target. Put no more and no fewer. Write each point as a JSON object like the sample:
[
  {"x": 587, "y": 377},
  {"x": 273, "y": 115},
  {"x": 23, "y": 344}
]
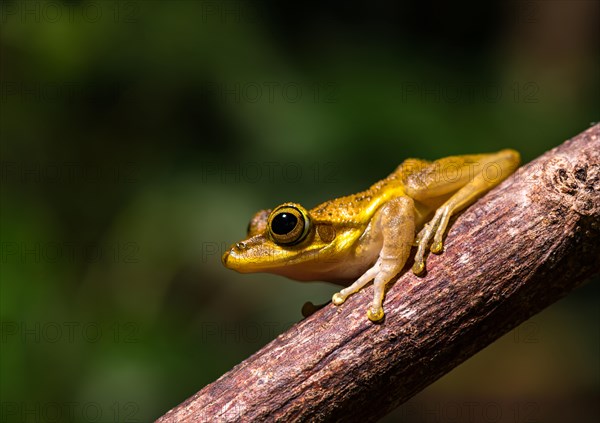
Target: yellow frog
[{"x": 368, "y": 236}]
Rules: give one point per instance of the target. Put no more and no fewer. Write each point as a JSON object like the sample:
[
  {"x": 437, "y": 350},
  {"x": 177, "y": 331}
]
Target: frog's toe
[
  {"x": 338, "y": 299},
  {"x": 437, "y": 247},
  {"x": 418, "y": 267},
  {"x": 375, "y": 313}
]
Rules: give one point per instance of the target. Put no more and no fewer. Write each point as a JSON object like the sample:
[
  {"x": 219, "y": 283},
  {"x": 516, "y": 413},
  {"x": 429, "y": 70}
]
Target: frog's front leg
[{"x": 396, "y": 221}]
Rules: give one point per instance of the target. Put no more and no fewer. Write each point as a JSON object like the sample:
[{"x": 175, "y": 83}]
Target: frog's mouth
[
  {"x": 254, "y": 257},
  {"x": 251, "y": 256}
]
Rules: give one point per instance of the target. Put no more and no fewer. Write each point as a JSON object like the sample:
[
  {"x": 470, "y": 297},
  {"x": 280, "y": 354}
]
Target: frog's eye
[{"x": 288, "y": 224}]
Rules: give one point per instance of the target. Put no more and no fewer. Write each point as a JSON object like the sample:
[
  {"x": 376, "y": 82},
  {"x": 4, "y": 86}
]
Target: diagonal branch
[{"x": 517, "y": 250}]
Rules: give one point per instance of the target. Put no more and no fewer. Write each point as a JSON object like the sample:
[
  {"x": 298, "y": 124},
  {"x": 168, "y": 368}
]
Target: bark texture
[{"x": 523, "y": 246}]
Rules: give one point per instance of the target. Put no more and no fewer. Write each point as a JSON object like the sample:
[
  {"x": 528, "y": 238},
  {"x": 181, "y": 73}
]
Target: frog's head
[{"x": 288, "y": 241}]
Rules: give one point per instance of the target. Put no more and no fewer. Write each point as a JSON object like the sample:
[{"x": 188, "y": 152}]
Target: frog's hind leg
[
  {"x": 504, "y": 163},
  {"x": 397, "y": 222}
]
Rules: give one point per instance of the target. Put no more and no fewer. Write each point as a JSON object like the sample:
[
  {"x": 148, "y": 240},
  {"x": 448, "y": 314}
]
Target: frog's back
[{"x": 360, "y": 207}]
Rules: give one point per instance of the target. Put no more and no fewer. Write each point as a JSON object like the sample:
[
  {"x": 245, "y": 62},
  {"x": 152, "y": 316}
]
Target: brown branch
[{"x": 517, "y": 250}]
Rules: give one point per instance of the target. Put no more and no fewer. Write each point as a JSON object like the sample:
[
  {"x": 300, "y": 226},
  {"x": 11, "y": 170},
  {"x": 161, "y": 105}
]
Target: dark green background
[{"x": 138, "y": 138}]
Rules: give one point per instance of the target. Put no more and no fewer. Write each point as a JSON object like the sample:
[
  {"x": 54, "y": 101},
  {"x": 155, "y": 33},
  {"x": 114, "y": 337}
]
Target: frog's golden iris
[{"x": 288, "y": 224}]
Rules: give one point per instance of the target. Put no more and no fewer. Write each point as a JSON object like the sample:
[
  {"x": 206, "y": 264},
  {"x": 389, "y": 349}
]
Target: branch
[{"x": 517, "y": 250}]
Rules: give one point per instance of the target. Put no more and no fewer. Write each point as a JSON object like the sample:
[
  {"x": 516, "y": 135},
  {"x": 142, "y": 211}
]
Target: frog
[{"x": 369, "y": 236}]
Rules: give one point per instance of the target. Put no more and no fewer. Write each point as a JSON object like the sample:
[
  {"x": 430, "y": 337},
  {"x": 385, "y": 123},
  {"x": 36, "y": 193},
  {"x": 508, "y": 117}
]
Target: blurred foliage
[{"x": 138, "y": 137}]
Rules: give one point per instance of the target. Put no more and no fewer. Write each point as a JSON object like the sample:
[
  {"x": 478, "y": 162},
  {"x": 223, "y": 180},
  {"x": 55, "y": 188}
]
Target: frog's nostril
[{"x": 241, "y": 245}]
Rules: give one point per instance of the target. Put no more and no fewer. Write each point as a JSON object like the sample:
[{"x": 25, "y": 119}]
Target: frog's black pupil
[{"x": 284, "y": 223}]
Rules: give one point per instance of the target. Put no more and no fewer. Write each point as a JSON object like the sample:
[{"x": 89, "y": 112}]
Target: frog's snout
[
  {"x": 231, "y": 257},
  {"x": 247, "y": 256},
  {"x": 224, "y": 258}
]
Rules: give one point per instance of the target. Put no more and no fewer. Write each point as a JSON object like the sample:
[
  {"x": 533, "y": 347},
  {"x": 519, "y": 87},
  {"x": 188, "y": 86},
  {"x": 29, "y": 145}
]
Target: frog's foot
[
  {"x": 382, "y": 272},
  {"x": 375, "y": 313},
  {"x": 388, "y": 268},
  {"x": 435, "y": 229}
]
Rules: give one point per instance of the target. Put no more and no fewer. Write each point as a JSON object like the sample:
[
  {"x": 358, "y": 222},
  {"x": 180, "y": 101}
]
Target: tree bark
[{"x": 520, "y": 248}]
